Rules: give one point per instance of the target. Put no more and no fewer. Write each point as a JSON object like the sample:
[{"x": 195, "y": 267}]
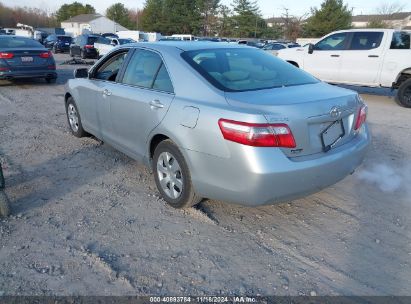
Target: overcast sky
[{"x": 268, "y": 8}]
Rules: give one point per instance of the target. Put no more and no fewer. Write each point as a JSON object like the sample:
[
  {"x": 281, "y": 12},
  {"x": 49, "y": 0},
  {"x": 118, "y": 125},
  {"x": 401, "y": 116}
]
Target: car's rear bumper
[
  {"x": 11, "y": 74},
  {"x": 259, "y": 176}
]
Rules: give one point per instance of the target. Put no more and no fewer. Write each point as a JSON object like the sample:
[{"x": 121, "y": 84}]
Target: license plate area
[
  {"x": 26, "y": 59},
  {"x": 332, "y": 135}
]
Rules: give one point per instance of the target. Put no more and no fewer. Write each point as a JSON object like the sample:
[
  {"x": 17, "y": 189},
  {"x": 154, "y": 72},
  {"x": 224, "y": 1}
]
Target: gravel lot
[{"x": 87, "y": 220}]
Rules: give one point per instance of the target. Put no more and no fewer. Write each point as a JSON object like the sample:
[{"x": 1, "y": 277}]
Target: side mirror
[
  {"x": 81, "y": 73},
  {"x": 310, "y": 48}
]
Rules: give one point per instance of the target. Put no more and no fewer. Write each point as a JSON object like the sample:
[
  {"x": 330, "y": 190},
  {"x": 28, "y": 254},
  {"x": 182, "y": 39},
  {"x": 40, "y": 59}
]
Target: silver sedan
[{"x": 220, "y": 121}]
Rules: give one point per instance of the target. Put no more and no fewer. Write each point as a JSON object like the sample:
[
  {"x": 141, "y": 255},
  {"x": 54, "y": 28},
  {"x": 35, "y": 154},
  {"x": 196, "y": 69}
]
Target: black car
[
  {"x": 83, "y": 46},
  {"x": 58, "y": 43},
  {"x": 22, "y": 57}
]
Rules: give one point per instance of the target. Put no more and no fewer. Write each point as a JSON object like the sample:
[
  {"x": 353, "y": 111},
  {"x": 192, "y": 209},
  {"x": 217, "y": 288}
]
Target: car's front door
[
  {"x": 95, "y": 105},
  {"x": 325, "y": 62},
  {"x": 140, "y": 102},
  {"x": 361, "y": 62}
]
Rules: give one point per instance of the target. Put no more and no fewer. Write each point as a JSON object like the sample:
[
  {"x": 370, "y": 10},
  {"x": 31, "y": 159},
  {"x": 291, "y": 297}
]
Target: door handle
[
  {"x": 156, "y": 104},
  {"x": 373, "y": 56},
  {"x": 335, "y": 55},
  {"x": 106, "y": 92}
]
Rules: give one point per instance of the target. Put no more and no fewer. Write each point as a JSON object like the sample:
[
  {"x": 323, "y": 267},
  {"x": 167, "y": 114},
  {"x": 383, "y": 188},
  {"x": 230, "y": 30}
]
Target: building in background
[
  {"x": 94, "y": 23},
  {"x": 396, "y": 20}
]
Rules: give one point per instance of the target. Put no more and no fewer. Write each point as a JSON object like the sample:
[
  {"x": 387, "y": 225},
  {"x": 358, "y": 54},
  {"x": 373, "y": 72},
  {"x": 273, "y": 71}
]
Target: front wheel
[
  {"x": 404, "y": 94},
  {"x": 172, "y": 176},
  {"x": 73, "y": 118}
]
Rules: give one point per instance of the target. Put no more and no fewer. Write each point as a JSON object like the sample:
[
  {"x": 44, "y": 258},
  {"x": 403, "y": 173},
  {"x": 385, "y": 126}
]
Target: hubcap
[
  {"x": 169, "y": 175},
  {"x": 73, "y": 117}
]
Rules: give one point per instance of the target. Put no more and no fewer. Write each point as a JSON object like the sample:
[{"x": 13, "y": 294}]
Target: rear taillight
[
  {"x": 46, "y": 55},
  {"x": 257, "y": 135},
  {"x": 361, "y": 117},
  {"x": 4, "y": 55},
  {"x": 89, "y": 46}
]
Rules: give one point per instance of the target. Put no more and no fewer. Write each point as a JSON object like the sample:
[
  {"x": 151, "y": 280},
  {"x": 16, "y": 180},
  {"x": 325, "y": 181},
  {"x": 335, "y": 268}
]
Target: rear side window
[
  {"x": 18, "y": 42},
  {"x": 245, "y": 69},
  {"x": 401, "y": 41},
  {"x": 146, "y": 70},
  {"x": 366, "y": 40}
]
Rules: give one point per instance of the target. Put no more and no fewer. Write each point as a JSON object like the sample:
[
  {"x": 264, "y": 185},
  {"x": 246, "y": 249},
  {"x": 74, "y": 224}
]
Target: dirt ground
[{"x": 87, "y": 220}]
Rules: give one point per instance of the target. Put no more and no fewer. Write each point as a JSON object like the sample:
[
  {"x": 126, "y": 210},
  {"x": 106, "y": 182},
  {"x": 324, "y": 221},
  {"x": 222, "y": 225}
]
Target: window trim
[{"x": 135, "y": 50}]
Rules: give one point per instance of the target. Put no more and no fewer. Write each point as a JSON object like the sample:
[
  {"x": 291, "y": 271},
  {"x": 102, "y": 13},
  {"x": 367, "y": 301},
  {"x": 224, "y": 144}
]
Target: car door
[
  {"x": 95, "y": 103},
  {"x": 361, "y": 62},
  {"x": 140, "y": 102},
  {"x": 325, "y": 61}
]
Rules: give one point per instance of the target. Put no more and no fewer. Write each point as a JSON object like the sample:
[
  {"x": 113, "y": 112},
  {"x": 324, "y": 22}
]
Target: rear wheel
[
  {"x": 172, "y": 176},
  {"x": 404, "y": 94},
  {"x": 73, "y": 118}
]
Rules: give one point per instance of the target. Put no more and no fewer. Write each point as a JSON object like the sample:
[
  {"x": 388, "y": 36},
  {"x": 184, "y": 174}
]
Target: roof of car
[{"x": 189, "y": 45}]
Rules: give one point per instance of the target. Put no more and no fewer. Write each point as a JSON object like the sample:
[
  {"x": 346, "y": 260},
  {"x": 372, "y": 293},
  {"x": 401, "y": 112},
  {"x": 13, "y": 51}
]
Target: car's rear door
[
  {"x": 361, "y": 62},
  {"x": 140, "y": 101}
]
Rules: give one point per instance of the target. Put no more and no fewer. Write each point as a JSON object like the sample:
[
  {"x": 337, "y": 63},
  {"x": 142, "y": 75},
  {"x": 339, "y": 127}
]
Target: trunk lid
[{"x": 308, "y": 110}]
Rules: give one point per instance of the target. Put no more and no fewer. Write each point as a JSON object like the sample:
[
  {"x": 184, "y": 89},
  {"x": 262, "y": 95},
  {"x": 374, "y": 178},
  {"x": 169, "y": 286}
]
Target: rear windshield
[
  {"x": 12, "y": 42},
  {"x": 64, "y": 38},
  {"x": 401, "y": 41},
  {"x": 237, "y": 70},
  {"x": 91, "y": 40},
  {"x": 125, "y": 41}
]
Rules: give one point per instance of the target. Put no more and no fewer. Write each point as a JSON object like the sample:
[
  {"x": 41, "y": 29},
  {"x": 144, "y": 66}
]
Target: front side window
[
  {"x": 146, "y": 69},
  {"x": 401, "y": 41},
  {"x": 110, "y": 68},
  {"x": 366, "y": 40},
  {"x": 245, "y": 69},
  {"x": 332, "y": 43}
]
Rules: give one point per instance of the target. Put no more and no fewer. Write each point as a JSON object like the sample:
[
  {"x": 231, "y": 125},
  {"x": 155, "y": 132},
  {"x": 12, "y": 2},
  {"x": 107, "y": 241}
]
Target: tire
[
  {"x": 74, "y": 119},
  {"x": 71, "y": 53},
  {"x": 4, "y": 204},
  {"x": 83, "y": 54},
  {"x": 172, "y": 176},
  {"x": 51, "y": 80},
  {"x": 404, "y": 94}
]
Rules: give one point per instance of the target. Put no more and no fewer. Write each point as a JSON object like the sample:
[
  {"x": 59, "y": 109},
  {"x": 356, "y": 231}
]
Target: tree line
[{"x": 243, "y": 18}]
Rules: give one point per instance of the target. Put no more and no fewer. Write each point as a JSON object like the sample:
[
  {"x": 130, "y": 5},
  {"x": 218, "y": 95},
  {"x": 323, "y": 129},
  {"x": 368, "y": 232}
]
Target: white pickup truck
[
  {"x": 361, "y": 57},
  {"x": 104, "y": 45}
]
